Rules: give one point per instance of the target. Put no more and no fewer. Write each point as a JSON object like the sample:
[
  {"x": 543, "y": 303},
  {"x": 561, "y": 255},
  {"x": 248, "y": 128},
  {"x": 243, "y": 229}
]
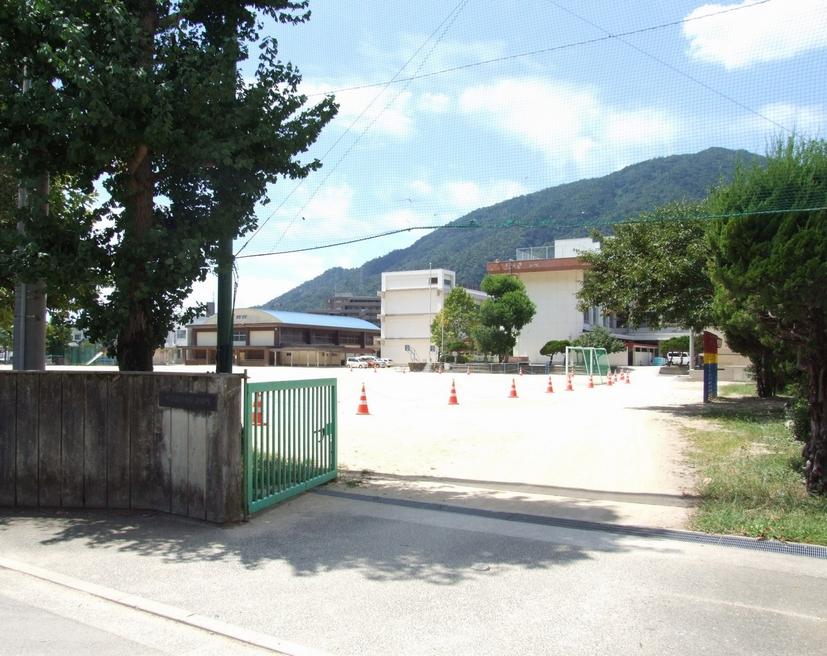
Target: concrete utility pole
[
  {"x": 30, "y": 300},
  {"x": 29, "y": 337},
  {"x": 224, "y": 350}
]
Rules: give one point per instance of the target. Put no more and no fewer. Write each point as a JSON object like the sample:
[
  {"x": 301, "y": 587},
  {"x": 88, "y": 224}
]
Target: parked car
[
  {"x": 677, "y": 357},
  {"x": 384, "y": 362},
  {"x": 355, "y": 362},
  {"x": 370, "y": 360}
]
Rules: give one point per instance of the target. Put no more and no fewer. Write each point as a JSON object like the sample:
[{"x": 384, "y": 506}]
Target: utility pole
[
  {"x": 224, "y": 351},
  {"x": 29, "y": 338}
]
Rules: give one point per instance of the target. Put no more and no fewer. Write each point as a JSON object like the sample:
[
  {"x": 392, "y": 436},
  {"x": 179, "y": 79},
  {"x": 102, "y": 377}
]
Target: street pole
[
  {"x": 29, "y": 337},
  {"x": 224, "y": 350}
]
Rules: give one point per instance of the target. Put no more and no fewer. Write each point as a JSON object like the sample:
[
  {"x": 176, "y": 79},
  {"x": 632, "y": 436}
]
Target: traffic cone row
[{"x": 362, "y": 409}]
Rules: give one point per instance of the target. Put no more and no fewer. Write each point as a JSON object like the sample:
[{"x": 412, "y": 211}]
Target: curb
[{"x": 165, "y": 611}]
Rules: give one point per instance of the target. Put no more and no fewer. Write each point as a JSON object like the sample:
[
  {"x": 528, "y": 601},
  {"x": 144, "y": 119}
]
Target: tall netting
[{"x": 587, "y": 360}]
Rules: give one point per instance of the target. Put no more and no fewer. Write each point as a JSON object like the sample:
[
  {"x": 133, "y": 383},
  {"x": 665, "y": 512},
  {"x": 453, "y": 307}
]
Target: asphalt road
[{"x": 355, "y": 577}]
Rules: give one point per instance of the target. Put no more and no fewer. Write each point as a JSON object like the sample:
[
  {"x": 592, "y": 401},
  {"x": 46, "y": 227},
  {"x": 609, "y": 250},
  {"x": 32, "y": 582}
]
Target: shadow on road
[{"x": 314, "y": 534}]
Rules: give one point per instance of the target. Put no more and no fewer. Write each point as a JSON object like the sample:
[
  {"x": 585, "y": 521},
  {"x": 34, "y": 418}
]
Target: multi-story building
[
  {"x": 410, "y": 300},
  {"x": 552, "y": 276},
  {"x": 358, "y": 307}
]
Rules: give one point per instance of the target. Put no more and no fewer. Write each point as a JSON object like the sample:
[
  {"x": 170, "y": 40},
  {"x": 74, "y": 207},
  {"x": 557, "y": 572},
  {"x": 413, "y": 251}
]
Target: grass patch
[
  {"x": 737, "y": 389},
  {"x": 749, "y": 477}
]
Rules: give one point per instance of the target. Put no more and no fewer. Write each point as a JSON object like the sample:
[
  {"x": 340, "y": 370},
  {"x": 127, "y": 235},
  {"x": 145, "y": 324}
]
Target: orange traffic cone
[
  {"x": 521, "y": 371},
  {"x": 609, "y": 380},
  {"x": 258, "y": 412},
  {"x": 513, "y": 393},
  {"x": 569, "y": 388},
  {"x": 622, "y": 376},
  {"x": 628, "y": 379},
  {"x": 452, "y": 400},
  {"x": 591, "y": 383},
  {"x": 363, "y": 403},
  {"x": 549, "y": 388}
]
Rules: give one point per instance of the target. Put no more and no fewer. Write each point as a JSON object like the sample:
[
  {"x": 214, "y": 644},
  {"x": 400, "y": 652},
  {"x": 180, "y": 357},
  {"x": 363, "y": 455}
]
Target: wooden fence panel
[
  {"x": 50, "y": 402},
  {"x": 118, "y": 447},
  {"x": 94, "y": 442},
  {"x": 8, "y": 442},
  {"x": 26, "y": 422},
  {"x": 164, "y": 442}
]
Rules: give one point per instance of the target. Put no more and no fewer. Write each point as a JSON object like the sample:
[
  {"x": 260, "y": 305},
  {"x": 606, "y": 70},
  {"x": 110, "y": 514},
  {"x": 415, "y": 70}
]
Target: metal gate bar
[{"x": 290, "y": 439}]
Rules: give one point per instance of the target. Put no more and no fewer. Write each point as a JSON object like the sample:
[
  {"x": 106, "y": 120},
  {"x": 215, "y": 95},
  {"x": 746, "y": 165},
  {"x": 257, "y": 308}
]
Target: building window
[
  {"x": 239, "y": 337},
  {"x": 291, "y": 336},
  {"x": 181, "y": 334},
  {"x": 352, "y": 339},
  {"x": 321, "y": 337},
  {"x": 434, "y": 281}
]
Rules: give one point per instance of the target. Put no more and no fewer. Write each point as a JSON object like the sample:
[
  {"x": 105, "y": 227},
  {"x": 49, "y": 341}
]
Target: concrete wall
[
  {"x": 557, "y": 317},
  {"x": 166, "y": 442}
]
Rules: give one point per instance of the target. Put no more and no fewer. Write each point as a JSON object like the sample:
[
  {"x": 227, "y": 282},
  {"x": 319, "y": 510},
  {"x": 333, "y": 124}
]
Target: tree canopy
[
  {"x": 147, "y": 99},
  {"x": 503, "y": 315},
  {"x": 554, "y": 346},
  {"x": 454, "y": 324},
  {"x": 770, "y": 257},
  {"x": 652, "y": 271},
  {"x": 599, "y": 337}
]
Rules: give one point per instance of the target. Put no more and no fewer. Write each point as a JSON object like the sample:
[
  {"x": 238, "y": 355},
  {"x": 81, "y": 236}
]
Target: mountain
[{"x": 537, "y": 219}]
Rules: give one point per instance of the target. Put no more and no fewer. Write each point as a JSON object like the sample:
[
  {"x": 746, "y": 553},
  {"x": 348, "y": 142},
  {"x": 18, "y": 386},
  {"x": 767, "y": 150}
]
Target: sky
[{"x": 446, "y": 107}]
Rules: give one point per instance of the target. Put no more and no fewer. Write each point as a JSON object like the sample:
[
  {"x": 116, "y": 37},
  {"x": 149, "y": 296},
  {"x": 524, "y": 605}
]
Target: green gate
[{"x": 289, "y": 439}]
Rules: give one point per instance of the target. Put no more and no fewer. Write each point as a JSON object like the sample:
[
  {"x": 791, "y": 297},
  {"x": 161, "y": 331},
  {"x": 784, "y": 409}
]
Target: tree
[
  {"x": 554, "y": 346},
  {"x": 147, "y": 98},
  {"x": 599, "y": 337},
  {"x": 453, "y": 325},
  {"x": 503, "y": 315},
  {"x": 655, "y": 272},
  {"x": 770, "y": 256},
  {"x": 652, "y": 272}
]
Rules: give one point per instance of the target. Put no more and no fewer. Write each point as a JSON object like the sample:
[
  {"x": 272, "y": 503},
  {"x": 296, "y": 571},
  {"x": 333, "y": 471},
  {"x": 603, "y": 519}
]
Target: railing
[
  {"x": 501, "y": 368},
  {"x": 536, "y": 253},
  {"x": 290, "y": 434}
]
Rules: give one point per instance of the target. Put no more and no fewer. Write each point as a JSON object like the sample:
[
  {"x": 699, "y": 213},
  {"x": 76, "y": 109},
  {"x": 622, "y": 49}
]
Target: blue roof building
[{"x": 277, "y": 337}]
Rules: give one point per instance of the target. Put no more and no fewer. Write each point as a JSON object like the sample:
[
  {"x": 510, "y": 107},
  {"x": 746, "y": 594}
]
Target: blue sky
[{"x": 562, "y": 102}]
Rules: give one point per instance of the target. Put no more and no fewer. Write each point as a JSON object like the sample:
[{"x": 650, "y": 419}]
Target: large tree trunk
[
  {"x": 765, "y": 374},
  {"x": 815, "y": 450},
  {"x": 136, "y": 341}
]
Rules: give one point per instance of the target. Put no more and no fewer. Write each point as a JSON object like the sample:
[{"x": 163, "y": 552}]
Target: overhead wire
[
  {"x": 542, "y": 51},
  {"x": 675, "y": 69},
  {"x": 442, "y": 28},
  {"x": 546, "y": 223}
]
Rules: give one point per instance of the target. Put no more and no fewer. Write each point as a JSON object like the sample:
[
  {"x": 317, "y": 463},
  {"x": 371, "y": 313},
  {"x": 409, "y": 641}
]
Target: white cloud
[
  {"x": 422, "y": 187},
  {"x": 434, "y": 103},
  {"x": 331, "y": 204},
  {"x": 767, "y": 32},
  {"x": 809, "y": 120},
  {"x": 466, "y": 195},
  {"x": 387, "y": 112},
  {"x": 569, "y": 124}
]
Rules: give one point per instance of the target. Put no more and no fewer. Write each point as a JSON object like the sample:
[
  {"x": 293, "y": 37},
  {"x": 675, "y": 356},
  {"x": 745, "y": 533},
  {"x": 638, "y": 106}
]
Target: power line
[
  {"x": 675, "y": 69},
  {"x": 443, "y": 28},
  {"x": 547, "y": 223},
  {"x": 542, "y": 51}
]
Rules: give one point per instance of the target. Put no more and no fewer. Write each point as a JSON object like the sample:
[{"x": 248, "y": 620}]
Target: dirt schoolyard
[{"x": 600, "y": 446}]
